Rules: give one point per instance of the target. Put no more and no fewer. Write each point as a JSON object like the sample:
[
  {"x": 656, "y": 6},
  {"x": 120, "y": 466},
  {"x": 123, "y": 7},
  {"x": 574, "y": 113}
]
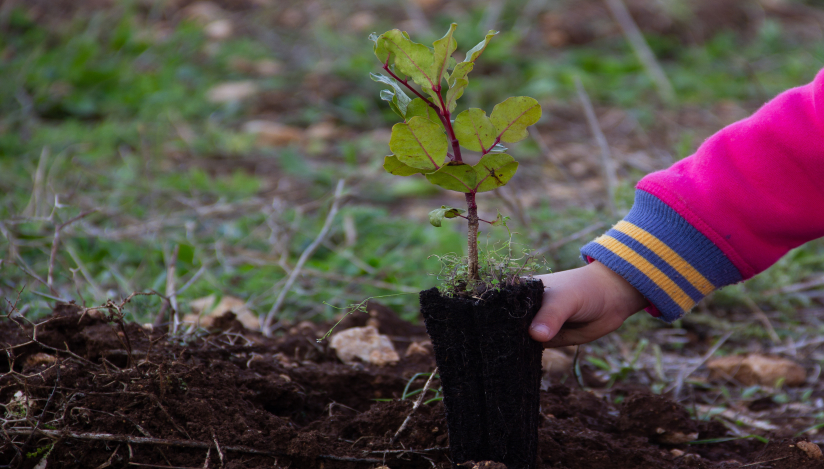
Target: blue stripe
[
  {"x": 663, "y": 222},
  {"x": 655, "y": 260},
  {"x": 670, "y": 310}
]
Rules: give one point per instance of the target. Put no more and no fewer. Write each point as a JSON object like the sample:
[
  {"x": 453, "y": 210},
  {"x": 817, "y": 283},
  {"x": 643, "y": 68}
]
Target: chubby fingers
[
  {"x": 583, "y": 304},
  {"x": 562, "y": 300}
]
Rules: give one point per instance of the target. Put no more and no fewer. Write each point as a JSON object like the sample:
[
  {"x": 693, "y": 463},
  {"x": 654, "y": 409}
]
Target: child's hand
[{"x": 581, "y": 305}]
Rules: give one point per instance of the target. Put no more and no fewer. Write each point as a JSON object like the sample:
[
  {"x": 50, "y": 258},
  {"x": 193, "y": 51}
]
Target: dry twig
[
  {"x": 414, "y": 407},
  {"x": 56, "y": 243},
  {"x": 642, "y": 50},
  {"x": 267, "y": 323},
  {"x": 607, "y": 162}
]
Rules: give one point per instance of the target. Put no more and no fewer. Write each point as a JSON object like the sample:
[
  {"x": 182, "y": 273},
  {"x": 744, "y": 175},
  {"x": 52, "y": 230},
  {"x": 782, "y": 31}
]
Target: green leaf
[
  {"x": 413, "y": 59},
  {"x": 420, "y": 143},
  {"x": 494, "y": 170},
  {"x": 436, "y": 216},
  {"x": 513, "y": 116},
  {"x": 399, "y": 98},
  {"x": 444, "y": 48},
  {"x": 381, "y": 52},
  {"x": 456, "y": 91},
  {"x": 418, "y": 107},
  {"x": 458, "y": 80},
  {"x": 455, "y": 176},
  {"x": 474, "y": 130},
  {"x": 393, "y": 166},
  {"x": 500, "y": 221},
  {"x": 389, "y": 97},
  {"x": 475, "y": 52}
]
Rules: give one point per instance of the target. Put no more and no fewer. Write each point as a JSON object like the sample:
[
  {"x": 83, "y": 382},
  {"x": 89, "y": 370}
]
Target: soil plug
[{"x": 478, "y": 320}]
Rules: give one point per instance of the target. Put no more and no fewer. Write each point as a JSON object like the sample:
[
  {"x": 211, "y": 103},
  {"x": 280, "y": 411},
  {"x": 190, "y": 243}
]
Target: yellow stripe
[
  {"x": 668, "y": 255},
  {"x": 653, "y": 273}
]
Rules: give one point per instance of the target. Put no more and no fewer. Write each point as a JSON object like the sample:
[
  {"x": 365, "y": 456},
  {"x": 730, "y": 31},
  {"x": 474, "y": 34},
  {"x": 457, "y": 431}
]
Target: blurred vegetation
[{"x": 109, "y": 110}]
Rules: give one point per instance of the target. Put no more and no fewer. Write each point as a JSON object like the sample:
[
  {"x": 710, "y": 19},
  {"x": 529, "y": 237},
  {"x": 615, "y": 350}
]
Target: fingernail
[{"x": 541, "y": 331}]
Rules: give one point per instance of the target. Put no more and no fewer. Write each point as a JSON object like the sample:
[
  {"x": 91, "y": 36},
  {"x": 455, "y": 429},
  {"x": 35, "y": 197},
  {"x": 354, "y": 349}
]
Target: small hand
[{"x": 581, "y": 305}]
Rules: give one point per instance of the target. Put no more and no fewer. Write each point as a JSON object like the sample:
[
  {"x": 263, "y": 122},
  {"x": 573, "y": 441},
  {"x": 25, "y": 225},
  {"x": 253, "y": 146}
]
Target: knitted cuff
[{"x": 668, "y": 260}]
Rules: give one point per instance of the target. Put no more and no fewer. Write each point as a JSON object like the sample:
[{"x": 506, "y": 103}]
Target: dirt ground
[{"x": 102, "y": 394}]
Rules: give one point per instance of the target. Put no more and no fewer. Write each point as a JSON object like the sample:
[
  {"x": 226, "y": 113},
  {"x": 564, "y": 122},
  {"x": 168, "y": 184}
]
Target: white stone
[{"x": 364, "y": 343}]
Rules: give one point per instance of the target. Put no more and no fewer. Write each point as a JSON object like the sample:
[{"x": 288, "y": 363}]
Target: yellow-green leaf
[
  {"x": 476, "y": 51},
  {"x": 494, "y": 170},
  {"x": 436, "y": 216},
  {"x": 420, "y": 143},
  {"x": 398, "y": 100},
  {"x": 413, "y": 59},
  {"x": 458, "y": 78},
  {"x": 393, "y": 166},
  {"x": 513, "y": 116},
  {"x": 444, "y": 47},
  {"x": 454, "y": 176},
  {"x": 474, "y": 130},
  {"x": 418, "y": 107},
  {"x": 455, "y": 92}
]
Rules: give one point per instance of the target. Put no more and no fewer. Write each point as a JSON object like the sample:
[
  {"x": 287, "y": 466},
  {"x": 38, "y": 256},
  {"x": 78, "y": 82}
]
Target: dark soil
[{"x": 106, "y": 396}]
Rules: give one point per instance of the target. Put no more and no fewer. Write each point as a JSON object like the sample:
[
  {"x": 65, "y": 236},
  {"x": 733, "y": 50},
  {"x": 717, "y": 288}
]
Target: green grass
[{"x": 120, "y": 117}]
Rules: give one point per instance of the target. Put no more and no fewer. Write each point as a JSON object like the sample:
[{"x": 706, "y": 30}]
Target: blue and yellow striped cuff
[{"x": 668, "y": 260}]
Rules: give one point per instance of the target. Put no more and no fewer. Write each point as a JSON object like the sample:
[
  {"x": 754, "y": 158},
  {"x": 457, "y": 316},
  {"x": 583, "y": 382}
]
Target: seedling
[
  {"x": 489, "y": 384},
  {"x": 430, "y": 142}
]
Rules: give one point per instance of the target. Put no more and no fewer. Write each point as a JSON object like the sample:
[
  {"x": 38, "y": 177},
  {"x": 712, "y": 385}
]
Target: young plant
[{"x": 430, "y": 142}]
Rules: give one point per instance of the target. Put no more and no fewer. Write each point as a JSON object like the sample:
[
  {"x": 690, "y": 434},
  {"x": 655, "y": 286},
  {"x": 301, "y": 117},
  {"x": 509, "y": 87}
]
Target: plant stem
[{"x": 472, "y": 207}]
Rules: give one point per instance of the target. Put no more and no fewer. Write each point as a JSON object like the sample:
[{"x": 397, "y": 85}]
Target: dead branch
[
  {"x": 686, "y": 372},
  {"x": 642, "y": 51},
  {"x": 217, "y": 446},
  {"x": 607, "y": 162},
  {"x": 57, "y": 434},
  {"x": 33, "y": 207},
  {"x": 56, "y": 243},
  {"x": 171, "y": 269},
  {"x": 568, "y": 239},
  {"x": 414, "y": 407},
  {"x": 267, "y": 324},
  {"x": 98, "y": 292}
]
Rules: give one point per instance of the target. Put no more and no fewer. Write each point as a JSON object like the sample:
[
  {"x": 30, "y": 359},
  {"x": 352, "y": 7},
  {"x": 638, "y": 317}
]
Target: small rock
[
  {"x": 366, "y": 344},
  {"x": 268, "y": 68},
  {"x": 676, "y": 452},
  {"x": 238, "y": 306},
  {"x": 361, "y": 21},
  {"x": 228, "y": 303},
  {"x": 758, "y": 369},
  {"x": 416, "y": 349},
  {"x": 483, "y": 465},
  {"x": 219, "y": 30},
  {"x": 39, "y": 359},
  {"x": 232, "y": 91},
  {"x": 321, "y": 131},
  {"x": 274, "y": 133},
  {"x": 555, "y": 361},
  {"x": 203, "y": 12},
  {"x": 813, "y": 450}
]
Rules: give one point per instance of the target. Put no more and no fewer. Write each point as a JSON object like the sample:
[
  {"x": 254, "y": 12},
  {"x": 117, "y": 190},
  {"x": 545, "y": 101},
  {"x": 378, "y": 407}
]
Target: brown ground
[{"x": 110, "y": 396}]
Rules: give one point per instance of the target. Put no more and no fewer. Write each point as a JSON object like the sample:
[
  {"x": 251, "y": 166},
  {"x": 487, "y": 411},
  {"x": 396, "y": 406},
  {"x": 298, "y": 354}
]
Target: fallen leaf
[
  {"x": 232, "y": 91},
  {"x": 274, "y": 133},
  {"x": 758, "y": 369}
]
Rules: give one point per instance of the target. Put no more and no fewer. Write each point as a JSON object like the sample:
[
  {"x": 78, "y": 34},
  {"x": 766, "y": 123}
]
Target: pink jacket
[{"x": 751, "y": 192}]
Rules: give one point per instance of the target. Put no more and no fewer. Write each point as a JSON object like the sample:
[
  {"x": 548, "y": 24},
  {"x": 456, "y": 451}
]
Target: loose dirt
[{"x": 106, "y": 395}]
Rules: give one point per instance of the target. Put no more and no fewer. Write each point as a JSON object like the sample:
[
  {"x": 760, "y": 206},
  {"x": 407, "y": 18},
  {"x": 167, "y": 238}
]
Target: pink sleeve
[
  {"x": 756, "y": 188},
  {"x": 751, "y": 192}
]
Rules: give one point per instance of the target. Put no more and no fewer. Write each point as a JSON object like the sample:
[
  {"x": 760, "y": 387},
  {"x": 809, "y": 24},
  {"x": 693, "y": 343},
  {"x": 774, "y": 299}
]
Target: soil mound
[{"x": 86, "y": 391}]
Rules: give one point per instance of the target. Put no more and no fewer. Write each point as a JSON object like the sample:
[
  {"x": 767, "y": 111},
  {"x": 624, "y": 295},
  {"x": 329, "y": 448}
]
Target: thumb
[{"x": 561, "y": 301}]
